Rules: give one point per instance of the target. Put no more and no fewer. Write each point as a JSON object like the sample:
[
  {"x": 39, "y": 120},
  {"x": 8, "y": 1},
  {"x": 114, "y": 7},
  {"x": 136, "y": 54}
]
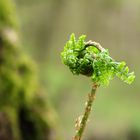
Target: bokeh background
[{"x": 45, "y": 26}]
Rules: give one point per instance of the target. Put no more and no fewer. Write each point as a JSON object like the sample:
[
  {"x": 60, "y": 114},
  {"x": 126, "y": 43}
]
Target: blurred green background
[{"x": 45, "y": 26}]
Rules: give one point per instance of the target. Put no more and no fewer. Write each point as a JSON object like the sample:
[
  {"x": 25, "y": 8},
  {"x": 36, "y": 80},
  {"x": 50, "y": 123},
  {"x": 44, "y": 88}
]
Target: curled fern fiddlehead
[{"x": 90, "y": 59}]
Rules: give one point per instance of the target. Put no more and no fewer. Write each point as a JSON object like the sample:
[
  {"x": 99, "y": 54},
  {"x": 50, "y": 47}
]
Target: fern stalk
[{"x": 81, "y": 122}]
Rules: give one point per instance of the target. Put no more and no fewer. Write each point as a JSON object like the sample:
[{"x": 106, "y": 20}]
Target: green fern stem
[{"x": 82, "y": 121}]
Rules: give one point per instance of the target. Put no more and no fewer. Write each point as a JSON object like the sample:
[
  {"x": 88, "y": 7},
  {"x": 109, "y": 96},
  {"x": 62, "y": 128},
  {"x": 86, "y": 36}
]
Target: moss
[
  {"x": 19, "y": 98},
  {"x": 17, "y": 75},
  {"x": 7, "y": 14}
]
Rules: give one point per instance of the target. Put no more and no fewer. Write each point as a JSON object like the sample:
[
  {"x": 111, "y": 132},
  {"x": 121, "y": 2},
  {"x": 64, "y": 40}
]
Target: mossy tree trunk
[{"x": 24, "y": 112}]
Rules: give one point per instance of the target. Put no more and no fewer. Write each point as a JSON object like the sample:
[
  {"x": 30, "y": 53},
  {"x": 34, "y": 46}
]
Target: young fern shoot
[{"x": 92, "y": 60}]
